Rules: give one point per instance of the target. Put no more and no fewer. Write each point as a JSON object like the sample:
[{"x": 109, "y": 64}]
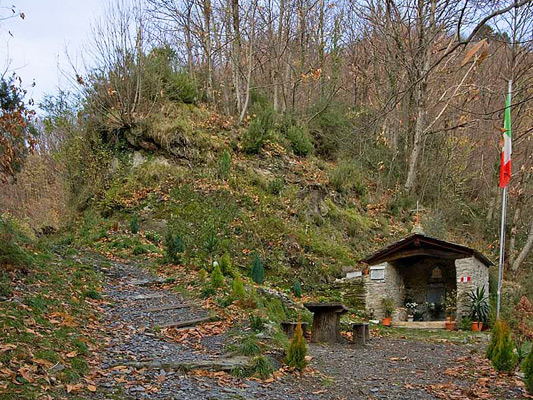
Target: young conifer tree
[
  {"x": 503, "y": 358},
  {"x": 217, "y": 278},
  {"x": 494, "y": 337},
  {"x": 297, "y": 349},
  {"x": 238, "y": 288},
  {"x": 527, "y": 368},
  {"x": 258, "y": 270}
]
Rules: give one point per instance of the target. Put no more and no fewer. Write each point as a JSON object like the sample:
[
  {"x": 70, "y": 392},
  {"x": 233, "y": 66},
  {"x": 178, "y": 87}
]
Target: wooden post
[{"x": 360, "y": 333}]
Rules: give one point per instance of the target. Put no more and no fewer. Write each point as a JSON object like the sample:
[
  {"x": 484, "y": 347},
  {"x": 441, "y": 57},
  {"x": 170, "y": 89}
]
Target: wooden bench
[
  {"x": 361, "y": 332},
  {"x": 326, "y": 321},
  {"x": 289, "y": 327}
]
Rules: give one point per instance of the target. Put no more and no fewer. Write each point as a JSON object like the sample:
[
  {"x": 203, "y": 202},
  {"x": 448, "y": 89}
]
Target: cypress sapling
[
  {"x": 258, "y": 270},
  {"x": 527, "y": 368},
  {"x": 297, "y": 289},
  {"x": 217, "y": 279},
  {"x": 494, "y": 338},
  {"x": 297, "y": 349},
  {"x": 503, "y": 357},
  {"x": 225, "y": 264},
  {"x": 238, "y": 288},
  {"x": 134, "y": 224}
]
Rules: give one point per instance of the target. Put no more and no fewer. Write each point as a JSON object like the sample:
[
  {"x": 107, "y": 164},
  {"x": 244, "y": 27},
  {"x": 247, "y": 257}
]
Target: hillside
[{"x": 306, "y": 217}]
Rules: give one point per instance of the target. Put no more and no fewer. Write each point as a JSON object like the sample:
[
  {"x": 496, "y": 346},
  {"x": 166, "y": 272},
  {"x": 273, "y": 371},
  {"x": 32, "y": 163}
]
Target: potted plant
[
  {"x": 451, "y": 308},
  {"x": 388, "y": 309},
  {"x": 434, "y": 309},
  {"x": 411, "y": 310},
  {"x": 479, "y": 308}
]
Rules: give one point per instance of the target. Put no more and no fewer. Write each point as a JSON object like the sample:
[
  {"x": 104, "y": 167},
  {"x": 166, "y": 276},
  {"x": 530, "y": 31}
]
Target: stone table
[{"x": 326, "y": 321}]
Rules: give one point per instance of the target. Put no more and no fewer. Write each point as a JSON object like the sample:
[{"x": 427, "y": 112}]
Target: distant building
[{"x": 424, "y": 270}]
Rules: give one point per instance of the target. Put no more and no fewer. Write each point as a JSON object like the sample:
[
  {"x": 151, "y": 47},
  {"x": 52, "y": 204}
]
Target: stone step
[
  {"x": 420, "y": 324},
  {"x": 219, "y": 364}
]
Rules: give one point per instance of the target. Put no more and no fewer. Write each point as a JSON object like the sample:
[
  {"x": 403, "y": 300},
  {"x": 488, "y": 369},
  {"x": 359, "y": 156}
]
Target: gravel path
[{"x": 384, "y": 369}]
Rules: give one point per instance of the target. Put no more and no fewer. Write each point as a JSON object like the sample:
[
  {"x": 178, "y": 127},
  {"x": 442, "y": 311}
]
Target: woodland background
[{"x": 373, "y": 104}]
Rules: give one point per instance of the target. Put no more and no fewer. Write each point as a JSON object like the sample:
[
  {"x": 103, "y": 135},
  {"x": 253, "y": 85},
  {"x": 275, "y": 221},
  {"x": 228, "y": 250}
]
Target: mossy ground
[{"x": 48, "y": 320}]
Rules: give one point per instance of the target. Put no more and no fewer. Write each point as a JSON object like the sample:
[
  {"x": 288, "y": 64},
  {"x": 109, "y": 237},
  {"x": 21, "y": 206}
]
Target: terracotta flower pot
[
  {"x": 386, "y": 321},
  {"x": 477, "y": 326},
  {"x": 450, "y": 325}
]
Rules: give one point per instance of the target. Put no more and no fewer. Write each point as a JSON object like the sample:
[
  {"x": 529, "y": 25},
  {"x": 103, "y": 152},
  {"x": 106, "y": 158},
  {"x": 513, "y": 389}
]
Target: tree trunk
[
  {"x": 326, "y": 327},
  {"x": 250, "y": 63},
  {"x": 236, "y": 58},
  {"x": 525, "y": 250},
  {"x": 208, "y": 49},
  {"x": 425, "y": 47}
]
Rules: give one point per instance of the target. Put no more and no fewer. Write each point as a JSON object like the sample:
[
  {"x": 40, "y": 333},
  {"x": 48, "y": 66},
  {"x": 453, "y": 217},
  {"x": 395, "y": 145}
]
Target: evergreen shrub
[
  {"x": 527, "y": 368},
  {"x": 297, "y": 350},
  {"x": 348, "y": 176},
  {"x": 217, "y": 278},
  {"x": 224, "y": 165},
  {"x": 134, "y": 224},
  {"x": 225, "y": 264},
  {"x": 258, "y": 270},
  {"x": 182, "y": 88},
  {"x": 238, "y": 288},
  {"x": 174, "y": 247},
  {"x": 202, "y": 275},
  {"x": 300, "y": 140},
  {"x": 501, "y": 349},
  {"x": 297, "y": 289},
  {"x": 259, "y": 130}
]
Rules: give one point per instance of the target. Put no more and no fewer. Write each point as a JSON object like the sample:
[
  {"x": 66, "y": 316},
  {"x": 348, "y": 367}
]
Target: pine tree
[
  {"x": 297, "y": 289},
  {"x": 258, "y": 270},
  {"x": 527, "y": 368},
  {"x": 503, "y": 357},
  {"x": 217, "y": 278},
  {"x": 297, "y": 349},
  {"x": 238, "y": 288}
]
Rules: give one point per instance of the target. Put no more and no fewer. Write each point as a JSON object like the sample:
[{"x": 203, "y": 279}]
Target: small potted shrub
[
  {"x": 479, "y": 308},
  {"x": 451, "y": 308},
  {"x": 411, "y": 310},
  {"x": 388, "y": 309}
]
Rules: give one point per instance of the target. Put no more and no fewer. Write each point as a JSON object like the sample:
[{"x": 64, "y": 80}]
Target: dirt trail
[{"x": 136, "y": 359}]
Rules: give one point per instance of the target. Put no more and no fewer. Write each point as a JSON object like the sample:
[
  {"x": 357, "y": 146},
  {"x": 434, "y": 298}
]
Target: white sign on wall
[{"x": 377, "y": 273}]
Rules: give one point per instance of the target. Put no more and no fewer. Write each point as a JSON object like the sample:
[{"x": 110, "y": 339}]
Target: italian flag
[{"x": 505, "y": 167}]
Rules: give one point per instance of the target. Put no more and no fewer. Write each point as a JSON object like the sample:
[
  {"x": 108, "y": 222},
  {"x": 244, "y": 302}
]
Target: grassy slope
[
  {"x": 47, "y": 321},
  {"x": 297, "y": 213}
]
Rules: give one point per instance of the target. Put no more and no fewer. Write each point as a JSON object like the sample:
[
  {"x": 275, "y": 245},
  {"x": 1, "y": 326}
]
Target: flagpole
[
  {"x": 502, "y": 229},
  {"x": 502, "y": 249}
]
